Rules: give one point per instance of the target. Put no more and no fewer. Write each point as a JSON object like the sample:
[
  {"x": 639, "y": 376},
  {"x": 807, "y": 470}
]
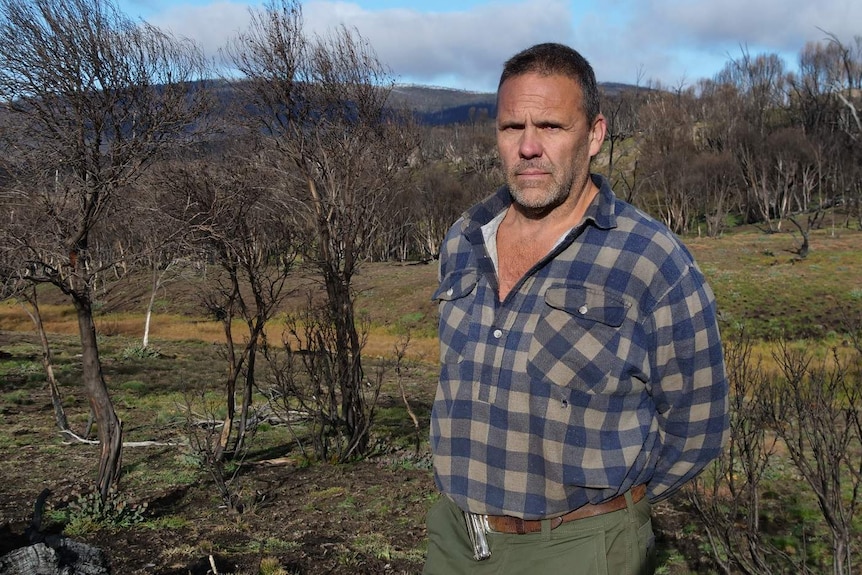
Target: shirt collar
[{"x": 601, "y": 212}]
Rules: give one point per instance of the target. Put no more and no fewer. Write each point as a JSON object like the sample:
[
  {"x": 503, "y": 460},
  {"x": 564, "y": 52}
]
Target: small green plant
[
  {"x": 377, "y": 545},
  {"x": 271, "y": 566},
  {"x": 272, "y": 546},
  {"x": 17, "y": 397},
  {"x": 134, "y": 386},
  {"x": 89, "y": 513},
  {"x": 29, "y": 367},
  {"x": 138, "y": 351},
  {"x": 23, "y": 372},
  {"x": 169, "y": 522}
]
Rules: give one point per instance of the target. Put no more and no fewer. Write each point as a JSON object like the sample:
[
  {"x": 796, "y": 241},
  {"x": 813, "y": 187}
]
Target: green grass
[
  {"x": 161, "y": 479},
  {"x": 166, "y": 522},
  {"x": 17, "y": 397},
  {"x": 274, "y": 545},
  {"x": 377, "y": 545},
  {"x": 134, "y": 386},
  {"x": 760, "y": 285}
]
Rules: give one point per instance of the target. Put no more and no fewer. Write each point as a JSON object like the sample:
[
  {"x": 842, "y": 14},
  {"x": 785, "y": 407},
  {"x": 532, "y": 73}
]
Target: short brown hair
[{"x": 551, "y": 58}]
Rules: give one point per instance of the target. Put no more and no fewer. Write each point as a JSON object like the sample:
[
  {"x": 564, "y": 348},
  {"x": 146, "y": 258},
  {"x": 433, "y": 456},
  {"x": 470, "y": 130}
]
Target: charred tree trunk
[
  {"x": 248, "y": 390},
  {"x": 110, "y": 428},
  {"x": 804, "y": 248},
  {"x": 348, "y": 358},
  {"x": 47, "y": 359},
  {"x": 230, "y": 393}
]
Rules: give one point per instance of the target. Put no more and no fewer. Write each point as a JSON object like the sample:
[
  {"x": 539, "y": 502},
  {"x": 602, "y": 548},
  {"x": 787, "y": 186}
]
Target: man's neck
[
  {"x": 523, "y": 239},
  {"x": 552, "y": 220}
]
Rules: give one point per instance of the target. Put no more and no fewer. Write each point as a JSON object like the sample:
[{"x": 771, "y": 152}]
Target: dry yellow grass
[
  {"x": 757, "y": 280},
  {"x": 60, "y": 319}
]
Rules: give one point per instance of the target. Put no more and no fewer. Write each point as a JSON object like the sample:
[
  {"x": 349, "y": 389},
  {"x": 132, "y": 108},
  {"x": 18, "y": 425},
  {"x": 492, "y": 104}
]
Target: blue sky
[{"x": 463, "y": 44}]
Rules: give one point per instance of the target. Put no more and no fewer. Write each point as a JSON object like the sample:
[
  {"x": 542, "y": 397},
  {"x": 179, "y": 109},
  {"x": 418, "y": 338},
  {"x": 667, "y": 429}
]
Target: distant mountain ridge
[
  {"x": 432, "y": 105},
  {"x": 436, "y": 105}
]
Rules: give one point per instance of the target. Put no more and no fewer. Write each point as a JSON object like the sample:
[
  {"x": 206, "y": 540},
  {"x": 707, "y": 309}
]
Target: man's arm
[{"x": 689, "y": 384}]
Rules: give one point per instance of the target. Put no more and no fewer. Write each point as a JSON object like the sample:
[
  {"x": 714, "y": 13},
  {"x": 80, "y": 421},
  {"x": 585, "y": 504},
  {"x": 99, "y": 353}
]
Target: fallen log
[{"x": 78, "y": 439}]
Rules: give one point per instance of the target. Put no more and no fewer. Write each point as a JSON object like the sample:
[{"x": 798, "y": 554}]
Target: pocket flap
[
  {"x": 588, "y": 303},
  {"x": 456, "y": 285}
]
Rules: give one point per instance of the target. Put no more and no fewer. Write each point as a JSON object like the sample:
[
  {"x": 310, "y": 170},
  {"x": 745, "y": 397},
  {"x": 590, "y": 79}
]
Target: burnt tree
[{"x": 91, "y": 99}]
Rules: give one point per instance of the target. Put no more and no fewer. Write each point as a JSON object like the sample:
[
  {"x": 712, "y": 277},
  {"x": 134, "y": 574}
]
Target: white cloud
[
  {"x": 210, "y": 25},
  {"x": 469, "y": 46},
  {"x": 673, "y": 41},
  {"x": 784, "y": 25},
  {"x": 705, "y": 34}
]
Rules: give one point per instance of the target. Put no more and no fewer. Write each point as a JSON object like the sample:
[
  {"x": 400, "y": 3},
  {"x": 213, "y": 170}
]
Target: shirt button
[
  {"x": 583, "y": 309},
  {"x": 449, "y": 292},
  {"x": 498, "y": 333}
]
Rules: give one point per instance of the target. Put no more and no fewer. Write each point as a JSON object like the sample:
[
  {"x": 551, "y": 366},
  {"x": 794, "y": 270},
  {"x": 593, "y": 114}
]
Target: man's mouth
[{"x": 531, "y": 170}]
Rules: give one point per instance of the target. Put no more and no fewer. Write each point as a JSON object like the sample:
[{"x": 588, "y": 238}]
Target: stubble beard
[{"x": 535, "y": 198}]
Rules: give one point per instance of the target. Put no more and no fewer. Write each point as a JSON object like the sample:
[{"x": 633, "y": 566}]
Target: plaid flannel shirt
[{"x": 601, "y": 370}]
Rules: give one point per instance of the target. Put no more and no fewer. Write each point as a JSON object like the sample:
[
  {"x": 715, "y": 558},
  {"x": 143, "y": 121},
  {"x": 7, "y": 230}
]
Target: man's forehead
[{"x": 535, "y": 91}]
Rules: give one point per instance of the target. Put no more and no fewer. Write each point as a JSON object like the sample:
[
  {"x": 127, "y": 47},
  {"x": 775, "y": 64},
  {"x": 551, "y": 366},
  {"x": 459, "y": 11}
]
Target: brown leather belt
[{"x": 516, "y": 525}]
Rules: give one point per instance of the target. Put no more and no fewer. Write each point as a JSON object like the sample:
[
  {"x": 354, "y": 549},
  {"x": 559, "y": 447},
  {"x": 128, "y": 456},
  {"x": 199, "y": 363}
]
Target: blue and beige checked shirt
[{"x": 602, "y": 370}]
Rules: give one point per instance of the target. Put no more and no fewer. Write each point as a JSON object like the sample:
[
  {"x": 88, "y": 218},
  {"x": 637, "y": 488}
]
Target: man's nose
[{"x": 530, "y": 145}]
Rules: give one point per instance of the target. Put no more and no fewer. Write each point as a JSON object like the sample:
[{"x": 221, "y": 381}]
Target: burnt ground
[
  {"x": 364, "y": 517},
  {"x": 297, "y": 518},
  {"x": 356, "y": 518}
]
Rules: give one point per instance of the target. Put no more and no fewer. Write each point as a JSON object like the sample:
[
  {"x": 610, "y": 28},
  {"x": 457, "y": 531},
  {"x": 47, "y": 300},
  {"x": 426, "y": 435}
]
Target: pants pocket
[
  {"x": 646, "y": 548},
  {"x": 449, "y": 551}
]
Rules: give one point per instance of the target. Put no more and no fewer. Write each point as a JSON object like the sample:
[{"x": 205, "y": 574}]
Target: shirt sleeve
[{"x": 689, "y": 385}]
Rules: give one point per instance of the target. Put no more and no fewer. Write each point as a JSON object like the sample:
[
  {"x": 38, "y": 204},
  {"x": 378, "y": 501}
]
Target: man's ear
[{"x": 598, "y": 131}]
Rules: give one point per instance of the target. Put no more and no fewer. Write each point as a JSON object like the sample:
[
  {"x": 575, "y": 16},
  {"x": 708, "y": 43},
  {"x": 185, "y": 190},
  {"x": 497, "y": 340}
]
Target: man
[{"x": 582, "y": 376}]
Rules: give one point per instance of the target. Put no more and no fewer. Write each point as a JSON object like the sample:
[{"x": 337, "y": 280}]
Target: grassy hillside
[
  {"x": 760, "y": 283},
  {"x": 758, "y": 280}
]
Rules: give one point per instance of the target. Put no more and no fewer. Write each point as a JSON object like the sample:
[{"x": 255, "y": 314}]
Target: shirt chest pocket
[
  {"x": 580, "y": 340},
  {"x": 455, "y": 297}
]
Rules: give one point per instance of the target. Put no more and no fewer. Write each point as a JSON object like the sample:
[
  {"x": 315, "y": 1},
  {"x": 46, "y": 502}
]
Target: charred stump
[{"x": 52, "y": 554}]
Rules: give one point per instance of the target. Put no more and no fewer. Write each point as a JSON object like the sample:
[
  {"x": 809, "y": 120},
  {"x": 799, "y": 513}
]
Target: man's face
[{"x": 544, "y": 138}]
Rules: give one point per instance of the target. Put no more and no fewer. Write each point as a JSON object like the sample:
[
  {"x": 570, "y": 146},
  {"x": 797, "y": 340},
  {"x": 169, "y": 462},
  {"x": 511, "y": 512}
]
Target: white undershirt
[{"x": 489, "y": 232}]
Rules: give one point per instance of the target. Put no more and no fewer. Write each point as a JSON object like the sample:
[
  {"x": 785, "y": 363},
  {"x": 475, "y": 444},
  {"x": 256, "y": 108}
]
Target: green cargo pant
[{"x": 617, "y": 543}]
